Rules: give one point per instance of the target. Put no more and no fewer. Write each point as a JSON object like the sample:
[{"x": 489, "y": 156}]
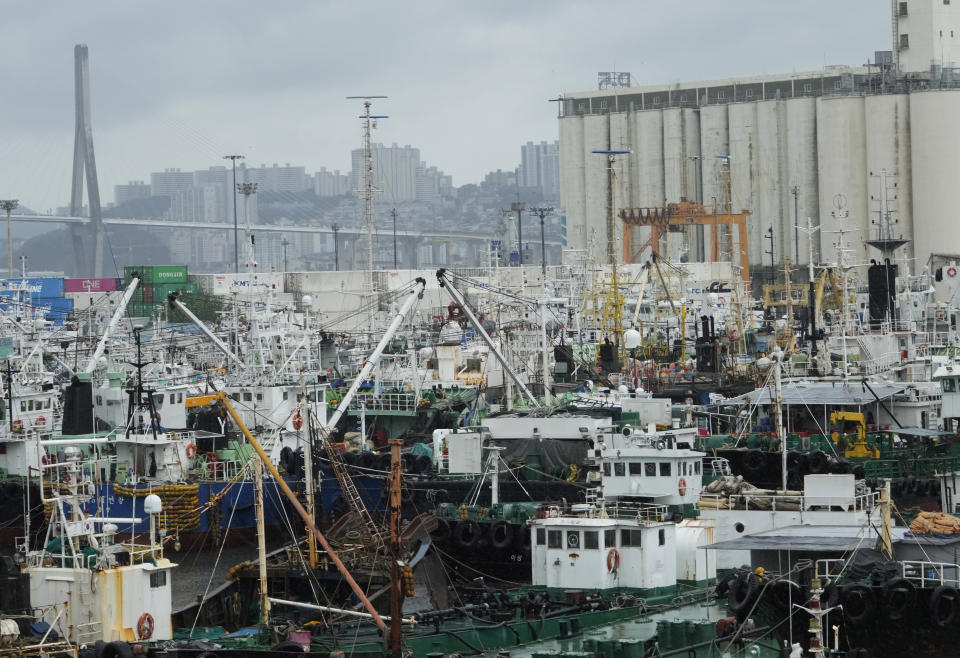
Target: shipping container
[
  {"x": 157, "y": 273},
  {"x": 146, "y": 291},
  {"x": 58, "y": 308},
  {"x": 89, "y": 285},
  {"x": 47, "y": 288}
]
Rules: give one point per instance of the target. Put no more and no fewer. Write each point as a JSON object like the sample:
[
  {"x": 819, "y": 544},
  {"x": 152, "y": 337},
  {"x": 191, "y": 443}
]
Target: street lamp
[
  {"x": 9, "y": 205},
  {"x": 247, "y": 190},
  {"x": 336, "y": 246},
  {"x": 23, "y": 266},
  {"x": 236, "y": 244},
  {"x": 284, "y": 242},
  {"x": 517, "y": 207}
]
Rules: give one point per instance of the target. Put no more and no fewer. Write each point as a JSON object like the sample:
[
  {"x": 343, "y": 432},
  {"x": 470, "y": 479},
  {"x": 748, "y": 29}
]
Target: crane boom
[
  {"x": 461, "y": 302},
  {"x": 172, "y": 298},
  {"x": 114, "y": 321}
]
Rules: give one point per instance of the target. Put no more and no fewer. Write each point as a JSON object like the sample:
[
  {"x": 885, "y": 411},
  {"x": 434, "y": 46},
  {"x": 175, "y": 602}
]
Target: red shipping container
[{"x": 89, "y": 285}]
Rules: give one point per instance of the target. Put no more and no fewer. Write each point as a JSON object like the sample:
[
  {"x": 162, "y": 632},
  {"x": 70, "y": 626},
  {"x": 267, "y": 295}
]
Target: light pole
[
  {"x": 9, "y": 205},
  {"x": 542, "y": 212},
  {"x": 23, "y": 266},
  {"x": 236, "y": 244},
  {"x": 284, "y": 242},
  {"x": 336, "y": 246},
  {"x": 247, "y": 190}
]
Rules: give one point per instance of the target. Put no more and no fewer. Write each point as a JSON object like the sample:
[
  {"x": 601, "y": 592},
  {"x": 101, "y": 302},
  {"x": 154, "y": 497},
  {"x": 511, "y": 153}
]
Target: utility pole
[
  {"x": 236, "y": 243},
  {"x": 518, "y": 206},
  {"x": 773, "y": 268},
  {"x": 284, "y": 242},
  {"x": 366, "y": 192},
  {"x": 9, "y": 205},
  {"x": 336, "y": 246},
  {"x": 795, "y": 191},
  {"x": 542, "y": 212},
  {"x": 23, "y": 266},
  {"x": 394, "y": 213},
  {"x": 247, "y": 190}
]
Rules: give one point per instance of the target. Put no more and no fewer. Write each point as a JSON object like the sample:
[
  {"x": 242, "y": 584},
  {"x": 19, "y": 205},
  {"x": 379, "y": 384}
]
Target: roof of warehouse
[{"x": 817, "y": 393}]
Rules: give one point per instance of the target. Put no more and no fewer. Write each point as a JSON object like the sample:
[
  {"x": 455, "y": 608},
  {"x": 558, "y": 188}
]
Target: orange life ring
[
  {"x": 297, "y": 421},
  {"x": 18, "y": 425},
  {"x": 951, "y": 271},
  {"x": 145, "y": 626},
  {"x": 613, "y": 560},
  {"x": 682, "y": 486},
  {"x": 40, "y": 421},
  {"x": 191, "y": 450}
]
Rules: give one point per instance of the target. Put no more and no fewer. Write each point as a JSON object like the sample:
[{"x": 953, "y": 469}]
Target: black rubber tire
[
  {"x": 442, "y": 532},
  {"x": 500, "y": 534},
  {"x": 859, "y": 603},
  {"x": 818, "y": 462},
  {"x": 943, "y": 606},
  {"x": 786, "y": 593},
  {"x": 287, "y": 461},
  {"x": 117, "y": 650},
  {"x": 754, "y": 462},
  {"x": 859, "y": 472},
  {"x": 899, "y": 597},
  {"x": 743, "y": 591},
  {"x": 466, "y": 534}
]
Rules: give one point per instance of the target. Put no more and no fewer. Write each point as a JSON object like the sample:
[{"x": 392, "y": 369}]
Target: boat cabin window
[
  {"x": 554, "y": 539},
  {"x": 541, "y": 536},
  {"x": 173, "y": 398},
  {"x": 663, "y": 536},
  {"x": 606, "y": 469},
  {"x": 630, "y": 537},
  {"x": 23, "y": 405},
  {"x": 259, "y": 397},
  {"x": 591, "y": 539},
  {"x": 29, "y": 405},
  {"x": 651, "y": 469},
  {"x": 158, "y": 578},
  {"x": 286, "y": 395},
  {"x": 636, "y": 468},
  {"x": 696, "y": 467},
  {"x": 665, "y": 468},
  {"x": 949, "y": 385},
  {"x": 683, "y": 468},
  {"x": 573, "y": 539},
  {"x": 247, "y": 396},
  {"x": 235, "y": 397},
  {"x": 618, "y": 469},
  {"x": 609, "y": 538},
  {"x": 99, "y": 400}
]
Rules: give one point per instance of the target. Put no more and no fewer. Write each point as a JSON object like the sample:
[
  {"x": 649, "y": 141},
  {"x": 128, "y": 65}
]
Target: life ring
[
  {"x": 40, "y": 421},
  {"x": 682, "y": 486},
  {"x": 18, "y": 425},
  {"x": 951, "y": 271},
  {"x": 297, "y": 421},
  {"x": 613, "y": 560},
  {"x": 145, "y": 626},
  {"x": 191, "y": 450}
]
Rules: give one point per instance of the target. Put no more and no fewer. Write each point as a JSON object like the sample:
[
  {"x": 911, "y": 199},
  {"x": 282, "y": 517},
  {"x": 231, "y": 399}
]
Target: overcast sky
[{"x": 181, "y": 83}]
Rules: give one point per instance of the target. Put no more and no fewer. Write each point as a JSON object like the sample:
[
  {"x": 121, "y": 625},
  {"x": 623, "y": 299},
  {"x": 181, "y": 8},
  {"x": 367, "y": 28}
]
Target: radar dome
[
  {"x": 152, "y": 504},
  {"x": 632, "y": 339}
]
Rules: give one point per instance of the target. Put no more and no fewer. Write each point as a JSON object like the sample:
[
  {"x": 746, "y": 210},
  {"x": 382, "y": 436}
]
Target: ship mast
[{"x": 366, "y": 192}]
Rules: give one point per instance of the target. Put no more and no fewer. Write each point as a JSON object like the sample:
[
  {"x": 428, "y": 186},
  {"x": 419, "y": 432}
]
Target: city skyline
[{"x": 466, "y": 83}]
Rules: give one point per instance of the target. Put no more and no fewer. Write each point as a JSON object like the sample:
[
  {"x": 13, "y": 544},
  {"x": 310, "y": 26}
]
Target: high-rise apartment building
[
  {"x": 330, "y": 183},
  {"x": 540, "y": 168},
  {"x": 394, "y": 172},
  {"x": 169, "y": 181},
  {"x": 275, "y": 178},
  {"x": 135, "y": 189}
]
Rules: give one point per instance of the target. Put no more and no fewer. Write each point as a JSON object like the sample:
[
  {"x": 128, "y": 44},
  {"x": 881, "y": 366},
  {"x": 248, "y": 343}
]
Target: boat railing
[
  {"x": 922, "y": 573},
  {"x": 642, "y": 512},
  {"x": 786, "y": 502},
  {"x": 374, "y": 402}
]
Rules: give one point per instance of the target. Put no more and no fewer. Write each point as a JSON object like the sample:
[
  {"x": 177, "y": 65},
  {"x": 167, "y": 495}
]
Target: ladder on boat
[{"x": 349, "y": 491}]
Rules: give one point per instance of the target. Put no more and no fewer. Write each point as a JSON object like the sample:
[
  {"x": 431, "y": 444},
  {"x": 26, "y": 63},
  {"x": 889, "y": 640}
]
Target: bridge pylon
[{"x": 84, "y": 162}]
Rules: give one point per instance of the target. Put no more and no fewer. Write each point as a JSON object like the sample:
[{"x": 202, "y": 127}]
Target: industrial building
[{"x": 828, "y": 145}]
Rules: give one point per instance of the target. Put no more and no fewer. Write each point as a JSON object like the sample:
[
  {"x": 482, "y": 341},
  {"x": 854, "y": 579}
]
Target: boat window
[
  {"x": 259, "y": 397},
  {"x": 180, "y": 397},
  {"x": 683, "y": 468},
  {"x": 247, "y": 396},
  {"x": 630, "y": 537},
  {"x": 23, "y": 405},
  {"x": 173, "y": 398},
  {"x": 949, "y": 385},
  {"x": 663, "y": 536},
  {"x": 609, "y": 538},
  {"x": 47, "y": 404},
  {"x": 158, "y": 578},
  {"x": 591, "y": 539},
  {"x": 650, "y": 469},
  {"x": 618, "y": 469},
  {"x": 541, "y": 536},
  {"x": 636, "y": 468},
  {"x": 29, "y": 405},
  {"x": 554, "y": 539},
  {"x": 286, "y": 395},
  {"x": 573, "y": 539},
  {"x": 606, "y": 469},
  {"x": 696, "y": 467},
  {"x": 665, "y": 468},
  {"x": 235, "y": 397},
  {"x": 99, "y": 400}
]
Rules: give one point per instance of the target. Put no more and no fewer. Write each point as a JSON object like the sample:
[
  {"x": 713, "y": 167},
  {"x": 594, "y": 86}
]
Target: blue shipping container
[
  {"x": 60, "y": 308},
  {"x": 47, "y": 288}
]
